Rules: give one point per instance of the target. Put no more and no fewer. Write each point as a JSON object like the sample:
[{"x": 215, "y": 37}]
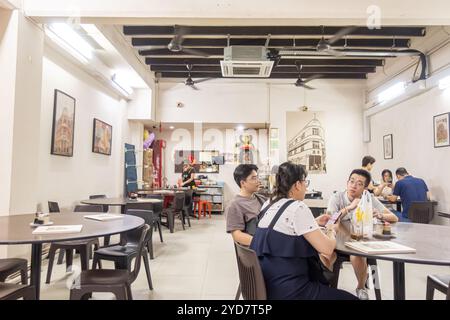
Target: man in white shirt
[{"x": 346, "y": 202}]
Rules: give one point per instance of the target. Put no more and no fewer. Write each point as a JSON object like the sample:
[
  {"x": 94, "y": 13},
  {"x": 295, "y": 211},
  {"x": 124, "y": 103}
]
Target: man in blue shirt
[{"x": 409, "y": 189}]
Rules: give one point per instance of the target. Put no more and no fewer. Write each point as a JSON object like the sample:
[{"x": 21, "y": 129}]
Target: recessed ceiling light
[
  {"x": 171, "y": 127},
  {"x": 240, "y": 128}
]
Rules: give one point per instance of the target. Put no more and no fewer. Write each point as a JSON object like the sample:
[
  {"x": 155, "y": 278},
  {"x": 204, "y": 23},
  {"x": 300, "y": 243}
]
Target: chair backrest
[
  {"x": 421, "y": 211},
  {"x": 156, "y": 207},
  {"x": 140, "y": 234},
  {"x": 100, "y": 196},
  {"x": 188, "y": 198},
  {"x": 147, "y": 215},
  {"x": 88, "y": 208},
  {"x": 53, "y": 206},
  {"x": 178, "y": 201},
  {"x": 97, "y": 196},
  {"x": 250, "y": 275}
]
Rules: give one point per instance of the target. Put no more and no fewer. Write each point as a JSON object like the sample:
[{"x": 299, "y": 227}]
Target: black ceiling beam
[
  {"x": 279, "y": 69},
  {"x": 275, "y": 30},
  {"x": 221, "y": 43},
  {"x": 272, "y": 76},
  {"x": 283, "y": 62}
]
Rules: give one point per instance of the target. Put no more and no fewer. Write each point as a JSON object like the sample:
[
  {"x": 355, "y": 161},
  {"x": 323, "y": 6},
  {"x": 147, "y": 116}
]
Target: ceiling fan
[
  {"x": 302, "y": 82},
  {"x": 190, "y": 82},
  {"x": 175, "y": 45},
  {"x": 325, "y": 45}
]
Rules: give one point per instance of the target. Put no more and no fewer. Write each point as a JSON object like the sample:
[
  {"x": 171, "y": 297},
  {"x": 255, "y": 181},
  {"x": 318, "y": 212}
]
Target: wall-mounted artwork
[
  {"x": 63, "y": 124},
  {"x": 388, "y": 146},
  {"x": 441, "y": 130},
  {"x": 306, "y": 140},
  {"x": 102, "y": 137}
]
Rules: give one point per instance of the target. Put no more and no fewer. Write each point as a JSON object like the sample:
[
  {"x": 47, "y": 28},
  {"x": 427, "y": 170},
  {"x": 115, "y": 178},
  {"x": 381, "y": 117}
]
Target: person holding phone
[
  {"x": 343, "y": 204},
  {"x": 386, "y": 187}
]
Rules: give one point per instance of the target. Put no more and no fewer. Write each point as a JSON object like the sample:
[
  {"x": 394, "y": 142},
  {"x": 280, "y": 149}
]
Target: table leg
[
  {"x": 399, "y": 280},
  {"x": 36, "y": 259}
]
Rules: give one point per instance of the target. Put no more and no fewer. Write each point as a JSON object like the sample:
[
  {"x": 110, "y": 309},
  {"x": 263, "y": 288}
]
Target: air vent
[{"x": 246, "y": 62}]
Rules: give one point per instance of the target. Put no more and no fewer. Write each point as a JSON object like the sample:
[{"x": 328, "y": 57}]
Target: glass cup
[{"x": 356, "y": 230}]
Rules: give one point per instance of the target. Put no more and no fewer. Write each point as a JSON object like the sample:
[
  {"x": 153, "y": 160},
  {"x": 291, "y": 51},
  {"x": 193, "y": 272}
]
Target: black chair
[
  {"x": 53, "y": 207},
  {"x": 144, "y": 211},
  {"x": 157, "y": 209},
  {"x": 187, "y": 209},
  {"x": 12, "y": 265},
  {"x": 176, "y": 209},
  {"x": 117, "y": 281},
  {"x": 341, "y": 258},
  {"x": 9, "y": 291},
  {"x": 421, "y": 212},
  {"x": 440, "y": 283},
  {"x": 100, "y": 196},
  {"x": 122, "y": 255},
  {"x": 251, "y": 277},
  {"x": 84, "y": 247}
]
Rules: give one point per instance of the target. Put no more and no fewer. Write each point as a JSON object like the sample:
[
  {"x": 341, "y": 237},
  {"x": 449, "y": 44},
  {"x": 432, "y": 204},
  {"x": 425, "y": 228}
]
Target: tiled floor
[{"x": 200, "y": 263}]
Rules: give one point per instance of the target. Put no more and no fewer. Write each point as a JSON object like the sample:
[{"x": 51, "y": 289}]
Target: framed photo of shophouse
[
  {"x": 63, "y": 125},
  {"x": 102, "y": 137}
]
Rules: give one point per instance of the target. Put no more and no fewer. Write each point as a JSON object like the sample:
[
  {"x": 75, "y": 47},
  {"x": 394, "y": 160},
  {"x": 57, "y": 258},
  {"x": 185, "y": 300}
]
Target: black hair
[
  {"x": 384, "y": 171},
  {"x": 401, "y": 172},
  {"x": 363, "y": 173},
  {"x": 367, "y": 160},
  {"x": 242, "y": 171},
  {"x": 288, "y": 174}
]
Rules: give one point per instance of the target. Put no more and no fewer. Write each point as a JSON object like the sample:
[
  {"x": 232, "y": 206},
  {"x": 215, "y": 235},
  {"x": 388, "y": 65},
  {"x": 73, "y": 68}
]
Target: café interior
[{"x": 107, "y": 109}]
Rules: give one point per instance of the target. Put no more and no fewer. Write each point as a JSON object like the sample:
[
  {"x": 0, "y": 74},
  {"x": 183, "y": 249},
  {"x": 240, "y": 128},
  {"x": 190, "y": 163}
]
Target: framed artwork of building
[
  {"x": 63, "y": 124},
  {"x": 441, "y": 127},
  {"x": 102, "y": 137},
  {"x": 305, "y": 135},
  {"x": 388, "y": 146}
]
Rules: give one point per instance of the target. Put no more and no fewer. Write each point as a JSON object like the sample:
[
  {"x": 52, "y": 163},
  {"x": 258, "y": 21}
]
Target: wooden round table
[
  {"x": 432, "y": 244},
  {"x": 16, "y": 229}
]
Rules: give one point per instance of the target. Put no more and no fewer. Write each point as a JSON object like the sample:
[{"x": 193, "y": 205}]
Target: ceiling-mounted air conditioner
[{"x": 246, "y": 62}]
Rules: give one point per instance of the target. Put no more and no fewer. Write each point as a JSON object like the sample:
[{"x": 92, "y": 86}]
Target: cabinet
[{"x": 213, "y": 194}]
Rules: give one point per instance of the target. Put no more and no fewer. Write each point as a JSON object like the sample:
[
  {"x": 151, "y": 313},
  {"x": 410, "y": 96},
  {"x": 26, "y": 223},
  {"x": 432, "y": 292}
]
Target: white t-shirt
[{"x": 296, "y": 220}]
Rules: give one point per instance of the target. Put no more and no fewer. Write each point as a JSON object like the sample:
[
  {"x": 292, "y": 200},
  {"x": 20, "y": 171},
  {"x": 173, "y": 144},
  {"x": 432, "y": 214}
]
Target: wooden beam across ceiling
[
  {"x": 272, "y": 76},
  {"x": 278, "y": 69}
]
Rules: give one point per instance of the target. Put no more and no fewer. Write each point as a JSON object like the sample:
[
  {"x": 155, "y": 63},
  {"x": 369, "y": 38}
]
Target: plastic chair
[
  {"x": 250, "y": 274},
  {"x": 116, "y": 281},
  {"x": 421, "y": 212},
  {"x": 176, "y": 209},
  {"x": 9, "y": 291},
  {"x": 12, "y": 265},
  {"x": 100, "y": 196},
  {"x": 440, "y": 283}
]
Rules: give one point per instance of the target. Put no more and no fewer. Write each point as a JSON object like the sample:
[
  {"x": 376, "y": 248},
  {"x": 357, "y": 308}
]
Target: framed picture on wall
[
  {"x": 441, "y": 130},
  {"x": 387, "y": 146},
  {"x": 63, "y": 126},
  {"x": 102, "y": 137}
]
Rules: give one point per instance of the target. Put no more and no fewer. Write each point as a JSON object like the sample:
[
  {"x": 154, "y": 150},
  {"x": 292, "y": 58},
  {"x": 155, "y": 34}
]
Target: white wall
[
  {"x": 411, "y": 124},
  {"x": 140, "y": 107},
  {"x": 70, "y": 179},
  {"x": 341, "y": 103},
  {"x": 215, "y": 102}
]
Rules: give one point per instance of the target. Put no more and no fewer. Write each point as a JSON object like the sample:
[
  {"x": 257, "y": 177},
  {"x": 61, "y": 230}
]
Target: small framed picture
[
  {"x": 441, "y": 130},
  {"x": 102, "y": 137},
  {"x": 388, "y": 146},
  {"x": 63, "y": 124}
]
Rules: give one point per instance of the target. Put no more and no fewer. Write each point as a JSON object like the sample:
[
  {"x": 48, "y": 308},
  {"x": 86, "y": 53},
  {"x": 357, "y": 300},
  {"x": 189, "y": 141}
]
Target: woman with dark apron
[{"x": 288, "y": 242}]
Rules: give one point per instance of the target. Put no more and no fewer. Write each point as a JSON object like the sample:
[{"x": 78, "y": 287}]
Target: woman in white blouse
[{"x": 288, "y": 241}]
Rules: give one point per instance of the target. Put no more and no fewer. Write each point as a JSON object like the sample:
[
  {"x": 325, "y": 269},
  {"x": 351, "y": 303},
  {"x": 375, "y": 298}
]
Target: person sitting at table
[
  {"x": 409, "y": 189},
  {"x": 345, "y": 202},
  {"x": 188, "y": 175},
  {"x": 385, "y": 188},
  {"x": 242, "y": 212},
  {"x": 367, "y": 164},
  {"x": 288, "y": 239}
]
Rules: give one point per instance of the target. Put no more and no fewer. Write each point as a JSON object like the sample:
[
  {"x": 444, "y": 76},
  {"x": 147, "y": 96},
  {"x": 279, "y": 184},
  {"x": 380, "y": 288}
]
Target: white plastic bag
[{"x": 364, "y": 214}]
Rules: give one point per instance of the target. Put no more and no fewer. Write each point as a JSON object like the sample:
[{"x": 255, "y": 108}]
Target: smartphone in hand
[{"x": 334, "y": 218}]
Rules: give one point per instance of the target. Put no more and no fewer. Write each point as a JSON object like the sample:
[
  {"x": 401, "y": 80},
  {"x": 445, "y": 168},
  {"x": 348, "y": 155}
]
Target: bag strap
[
  {"x": 280, "y": 211},
  {"x": 263, "y": 212}
]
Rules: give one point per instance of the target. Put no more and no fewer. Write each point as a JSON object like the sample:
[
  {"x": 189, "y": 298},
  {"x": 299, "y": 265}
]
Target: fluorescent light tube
[
  {"x": 70, "y": 41},
  {"x": 392, "y": 92}
]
